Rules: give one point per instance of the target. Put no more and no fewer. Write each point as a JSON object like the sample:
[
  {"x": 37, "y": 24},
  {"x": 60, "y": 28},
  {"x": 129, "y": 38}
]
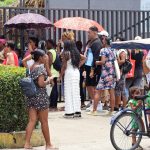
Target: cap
[{"x": 105, "y": 33}]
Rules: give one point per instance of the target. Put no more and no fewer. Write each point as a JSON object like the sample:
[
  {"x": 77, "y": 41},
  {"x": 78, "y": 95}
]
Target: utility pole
[
  {"x": 89, "y": 4},
  {"x": 89, "y": 7}
]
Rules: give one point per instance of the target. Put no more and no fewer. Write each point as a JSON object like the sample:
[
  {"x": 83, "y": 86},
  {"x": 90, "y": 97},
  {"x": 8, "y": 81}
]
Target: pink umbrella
[
  {"x": 77, "y": 23},
  {"x": 28, "y": 20}
]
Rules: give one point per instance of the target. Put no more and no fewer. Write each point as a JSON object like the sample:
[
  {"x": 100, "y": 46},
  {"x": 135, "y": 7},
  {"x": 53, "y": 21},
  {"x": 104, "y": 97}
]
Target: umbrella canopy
[
  {"x": 132, "y": 44},
  {"x": 28, "y": 20},
  {"x": 77, "y": 23}
]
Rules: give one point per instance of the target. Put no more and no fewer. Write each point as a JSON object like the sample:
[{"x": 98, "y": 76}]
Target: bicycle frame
[{"x": 145, "y": 121}]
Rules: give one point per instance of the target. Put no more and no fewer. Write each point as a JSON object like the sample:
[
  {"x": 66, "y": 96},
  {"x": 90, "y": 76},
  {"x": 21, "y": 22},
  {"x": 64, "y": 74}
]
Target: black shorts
[{"x": 91, "y": 81}]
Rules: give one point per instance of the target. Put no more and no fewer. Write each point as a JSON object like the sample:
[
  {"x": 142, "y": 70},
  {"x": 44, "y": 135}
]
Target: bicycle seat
[{"x": 141, "y": 97}]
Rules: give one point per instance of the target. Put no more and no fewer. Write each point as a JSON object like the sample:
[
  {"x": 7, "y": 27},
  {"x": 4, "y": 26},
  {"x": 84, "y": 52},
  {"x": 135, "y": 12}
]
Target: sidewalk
[{"x": 87, "y": 133}]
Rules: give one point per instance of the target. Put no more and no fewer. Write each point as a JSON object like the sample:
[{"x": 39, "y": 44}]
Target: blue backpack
[{"x": 28, "y": 87}]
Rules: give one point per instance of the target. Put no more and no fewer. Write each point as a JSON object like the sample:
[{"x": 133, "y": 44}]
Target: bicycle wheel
[{"x": 122, "y": 131}]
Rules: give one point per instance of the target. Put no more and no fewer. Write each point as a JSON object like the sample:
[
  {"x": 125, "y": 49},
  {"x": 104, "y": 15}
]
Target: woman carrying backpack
[{"x": 38, "y": 105}]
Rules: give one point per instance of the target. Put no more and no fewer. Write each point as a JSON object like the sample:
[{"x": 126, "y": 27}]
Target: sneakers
[
  {"x": 73, "y": 115},
  {"x": 89, "y": 104},
  {"x": 89, "y": 108},
  {"x": 68, "y": 116},
  {"x": 77, "y": 115},
  {"x": 99, "y": 107}
]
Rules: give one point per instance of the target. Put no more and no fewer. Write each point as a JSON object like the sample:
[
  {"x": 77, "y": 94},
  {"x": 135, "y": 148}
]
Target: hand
[
  {"x": 84, "y": 74},
  {"x": 92, "y": 73},
  {"x": 97, "y": 63}
]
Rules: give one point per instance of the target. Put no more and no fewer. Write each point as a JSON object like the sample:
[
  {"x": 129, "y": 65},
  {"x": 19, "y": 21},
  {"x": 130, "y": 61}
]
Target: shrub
[{"x": 13, "y": 114}]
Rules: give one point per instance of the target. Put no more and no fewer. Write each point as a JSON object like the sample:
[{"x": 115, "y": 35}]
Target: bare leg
[
  {"x": 124, "y": 99},
  {"x": 96, "y": 99},
  {"x": 30, "y": 126},
  {"x": 117, "y": 101},
  {"x": 91, "y": 91},
  {"x": 43, "y": 117},
  {"x": 112, "y": 99}
]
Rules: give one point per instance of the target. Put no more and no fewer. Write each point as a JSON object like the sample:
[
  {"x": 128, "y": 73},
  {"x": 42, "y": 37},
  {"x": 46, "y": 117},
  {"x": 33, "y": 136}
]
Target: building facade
[{"x": 96, "y": 4}]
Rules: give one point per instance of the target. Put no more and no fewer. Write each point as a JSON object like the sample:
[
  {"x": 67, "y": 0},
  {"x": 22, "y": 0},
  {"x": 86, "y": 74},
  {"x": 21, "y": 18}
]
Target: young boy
[{"x": 136, "y": 107}]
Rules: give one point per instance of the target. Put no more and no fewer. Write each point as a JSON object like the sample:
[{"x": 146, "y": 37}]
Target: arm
[
  {"x": 47, "y": 66},
  {"x": 24, "y": 61},
  {"x": 65, "y": 57},
  {"x": 122, "y": 58},
  {"x": 136, "y": 107},
  {"x": 41, "y": 81},
  {"x": 50, "y": 58},
  {"x": 102, "y": 61},
  {"x": 82, "y": 60}
]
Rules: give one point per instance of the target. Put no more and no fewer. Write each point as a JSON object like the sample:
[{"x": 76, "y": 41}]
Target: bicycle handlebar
[{"x": 141, "y": 97}]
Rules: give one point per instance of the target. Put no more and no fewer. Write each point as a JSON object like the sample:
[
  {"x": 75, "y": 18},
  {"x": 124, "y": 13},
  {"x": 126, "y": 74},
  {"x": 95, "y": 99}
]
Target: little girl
[{"x": 136, "y": 107}]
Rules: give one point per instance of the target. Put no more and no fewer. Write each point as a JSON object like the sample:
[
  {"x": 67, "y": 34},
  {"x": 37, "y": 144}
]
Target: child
[
  {"x": 148, "y": 106},
  {"x": 136, "y": 107}
]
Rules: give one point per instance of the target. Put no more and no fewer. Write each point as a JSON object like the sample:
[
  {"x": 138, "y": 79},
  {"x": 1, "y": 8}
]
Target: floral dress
[
  {"x": 107, "y": 79},
  {"x": 40, "y": 101}
]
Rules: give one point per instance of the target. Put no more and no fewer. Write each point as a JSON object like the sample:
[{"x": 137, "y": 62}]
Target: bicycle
[{"x": 121, "y": 132}]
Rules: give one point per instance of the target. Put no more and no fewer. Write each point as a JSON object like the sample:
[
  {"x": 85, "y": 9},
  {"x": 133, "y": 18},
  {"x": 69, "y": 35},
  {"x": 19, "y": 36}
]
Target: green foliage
[
  {"x": 6, "y": 2},
  {"x": 13, "y": 114}
]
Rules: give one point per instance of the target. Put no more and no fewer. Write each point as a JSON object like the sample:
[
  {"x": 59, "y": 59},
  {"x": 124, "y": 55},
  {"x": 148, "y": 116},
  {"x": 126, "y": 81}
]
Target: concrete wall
[{"x": 96, "y": 4}]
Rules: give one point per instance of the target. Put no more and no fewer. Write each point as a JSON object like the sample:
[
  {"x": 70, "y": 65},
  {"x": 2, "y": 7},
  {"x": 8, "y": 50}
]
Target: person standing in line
[
  {"x": 10, "y": 56},
  {"x": 107, "y": 79},
  {"x": 2, "y": 46},
  {"x": 52, "y": 53},
  {"x": 92, "y": 53},
  {"x": 82, "y": 88},
  {"x": 28, "y": 61},
  {"x": 38, "y": 105},
  {"x": 70, "y": 71}
]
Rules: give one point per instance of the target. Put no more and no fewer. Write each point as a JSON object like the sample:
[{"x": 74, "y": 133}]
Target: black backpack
[{"x": 57, "y": 63}]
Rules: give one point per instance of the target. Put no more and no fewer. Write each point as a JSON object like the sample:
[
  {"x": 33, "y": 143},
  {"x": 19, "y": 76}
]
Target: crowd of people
[{"x": 76, "y": 68}]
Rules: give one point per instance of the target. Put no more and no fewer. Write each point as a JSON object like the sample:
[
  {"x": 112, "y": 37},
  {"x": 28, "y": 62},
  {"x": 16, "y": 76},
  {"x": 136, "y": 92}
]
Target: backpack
[
  {"x": 57, "y": 63},
  {"x": 126, "y": 67},
  {"x": 28, "y": 87}
]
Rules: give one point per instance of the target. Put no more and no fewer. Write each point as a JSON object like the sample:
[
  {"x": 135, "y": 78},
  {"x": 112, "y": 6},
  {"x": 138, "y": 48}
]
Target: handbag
[
  {"x": 117, "y": 69},
  {"x": 130, "y": 74},
  {"x": 28, "y": 86},
  {"x": 127, "y": 66}
]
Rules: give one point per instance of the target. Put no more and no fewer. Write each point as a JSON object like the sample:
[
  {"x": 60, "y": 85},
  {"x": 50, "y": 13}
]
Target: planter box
[{"x": 17, "y": 139}]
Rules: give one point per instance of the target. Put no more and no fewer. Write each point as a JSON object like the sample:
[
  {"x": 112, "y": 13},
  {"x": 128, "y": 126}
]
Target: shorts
[
  {"x": 91, "y": 81},
  {"x": 120, "y": 87}
]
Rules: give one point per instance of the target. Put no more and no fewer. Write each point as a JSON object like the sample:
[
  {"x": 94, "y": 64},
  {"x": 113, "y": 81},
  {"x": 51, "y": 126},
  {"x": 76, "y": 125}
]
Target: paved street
[{"x": 88, "y": 133}]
